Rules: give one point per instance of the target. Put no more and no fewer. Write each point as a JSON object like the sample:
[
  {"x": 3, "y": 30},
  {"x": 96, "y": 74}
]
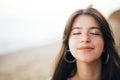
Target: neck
[{"x": 88, "y": 71}]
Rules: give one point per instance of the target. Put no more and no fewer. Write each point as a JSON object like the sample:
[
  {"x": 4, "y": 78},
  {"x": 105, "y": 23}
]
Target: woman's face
[{"x": 86, "y": 41}]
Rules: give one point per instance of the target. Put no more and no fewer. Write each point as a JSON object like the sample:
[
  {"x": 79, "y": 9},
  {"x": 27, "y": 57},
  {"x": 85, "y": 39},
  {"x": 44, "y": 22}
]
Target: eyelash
[
  {"x": 95, "y": 33},
  {"x": 76, "y": 33},
  {"x": 90, "y": 33}
]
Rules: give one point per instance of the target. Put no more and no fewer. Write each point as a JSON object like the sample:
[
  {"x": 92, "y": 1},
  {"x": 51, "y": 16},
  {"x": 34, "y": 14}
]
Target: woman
[{"x": 87, "y": 51}]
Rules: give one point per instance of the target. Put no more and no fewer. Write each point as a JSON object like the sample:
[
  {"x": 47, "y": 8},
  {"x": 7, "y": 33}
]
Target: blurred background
[{"x": 31, "y": 33}]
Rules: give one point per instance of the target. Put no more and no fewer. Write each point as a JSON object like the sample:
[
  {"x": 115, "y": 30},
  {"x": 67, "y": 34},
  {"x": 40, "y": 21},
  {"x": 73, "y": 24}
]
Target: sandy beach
[{"x": 29, "y": 64}]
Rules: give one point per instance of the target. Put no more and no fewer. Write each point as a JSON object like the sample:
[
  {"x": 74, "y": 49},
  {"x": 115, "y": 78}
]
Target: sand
[{"x": 29, "y": 64}]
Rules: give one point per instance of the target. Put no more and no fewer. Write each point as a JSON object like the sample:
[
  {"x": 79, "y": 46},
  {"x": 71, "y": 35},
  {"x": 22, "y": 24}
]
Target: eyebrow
[{"x": 94, "y": 27}]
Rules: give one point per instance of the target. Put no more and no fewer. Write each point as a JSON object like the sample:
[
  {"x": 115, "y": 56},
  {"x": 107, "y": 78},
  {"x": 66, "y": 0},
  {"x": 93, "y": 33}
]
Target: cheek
[
  {"x": 72, "y": 42},
  {"x": 100, "y": 48},
  {"x": 73, "y": 45}
]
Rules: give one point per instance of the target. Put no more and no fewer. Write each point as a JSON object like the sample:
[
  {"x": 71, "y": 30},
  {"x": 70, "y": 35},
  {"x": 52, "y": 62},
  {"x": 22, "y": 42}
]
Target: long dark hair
[{"x": 110, "y": 71}]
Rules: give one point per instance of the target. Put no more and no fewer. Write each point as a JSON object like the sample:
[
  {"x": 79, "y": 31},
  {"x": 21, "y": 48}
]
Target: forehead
[{"x": 84, "y": 21}]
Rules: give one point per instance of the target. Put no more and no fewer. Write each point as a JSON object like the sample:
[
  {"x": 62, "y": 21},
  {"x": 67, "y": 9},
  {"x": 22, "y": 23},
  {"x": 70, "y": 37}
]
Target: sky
[{"x": 27, "y": 23}]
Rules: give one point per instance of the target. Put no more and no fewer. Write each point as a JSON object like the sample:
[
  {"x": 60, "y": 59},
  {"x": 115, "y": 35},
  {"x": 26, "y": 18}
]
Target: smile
[{"x": 86, "y": 48}]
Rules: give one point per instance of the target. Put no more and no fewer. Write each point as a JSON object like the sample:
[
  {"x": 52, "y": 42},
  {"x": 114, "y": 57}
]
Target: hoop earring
[
  {"x": 68, "y": 56},
  {"x": 106, "y": 61}
]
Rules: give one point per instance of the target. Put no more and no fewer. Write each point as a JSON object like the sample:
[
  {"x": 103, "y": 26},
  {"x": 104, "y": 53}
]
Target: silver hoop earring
[
  {"x": 106, "y": 61},
  {"x": 68, "y": 57}
]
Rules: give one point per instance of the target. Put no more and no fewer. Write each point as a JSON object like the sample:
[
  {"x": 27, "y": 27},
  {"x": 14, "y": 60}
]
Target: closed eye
[
  {"x": 76, "y": 33},
  {"x": 95, "y": 33}
]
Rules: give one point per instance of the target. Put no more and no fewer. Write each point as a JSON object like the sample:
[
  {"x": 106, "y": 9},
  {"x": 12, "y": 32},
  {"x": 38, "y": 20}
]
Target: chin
[{"x": 86, "y": 60}]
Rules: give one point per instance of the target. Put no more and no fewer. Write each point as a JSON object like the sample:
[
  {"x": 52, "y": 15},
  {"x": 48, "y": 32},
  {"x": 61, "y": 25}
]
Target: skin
[{"x": 86, "y": 45}]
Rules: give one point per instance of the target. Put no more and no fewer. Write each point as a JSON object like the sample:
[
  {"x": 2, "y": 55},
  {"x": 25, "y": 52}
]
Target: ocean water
[{"x": 21, "y": 32}]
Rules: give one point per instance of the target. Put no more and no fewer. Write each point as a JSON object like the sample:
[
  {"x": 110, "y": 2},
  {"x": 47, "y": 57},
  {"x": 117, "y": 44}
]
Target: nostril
[{"x": 85, "y": 39}]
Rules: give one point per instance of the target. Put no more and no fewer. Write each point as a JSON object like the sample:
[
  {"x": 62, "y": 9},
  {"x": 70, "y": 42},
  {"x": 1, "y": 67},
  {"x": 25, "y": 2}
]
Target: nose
[{"x": 85, "y": 38}]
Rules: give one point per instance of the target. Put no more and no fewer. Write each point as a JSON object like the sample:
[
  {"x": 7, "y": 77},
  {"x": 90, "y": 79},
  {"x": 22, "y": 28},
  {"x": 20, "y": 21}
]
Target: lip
[{"x": 85, "y": 47}]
